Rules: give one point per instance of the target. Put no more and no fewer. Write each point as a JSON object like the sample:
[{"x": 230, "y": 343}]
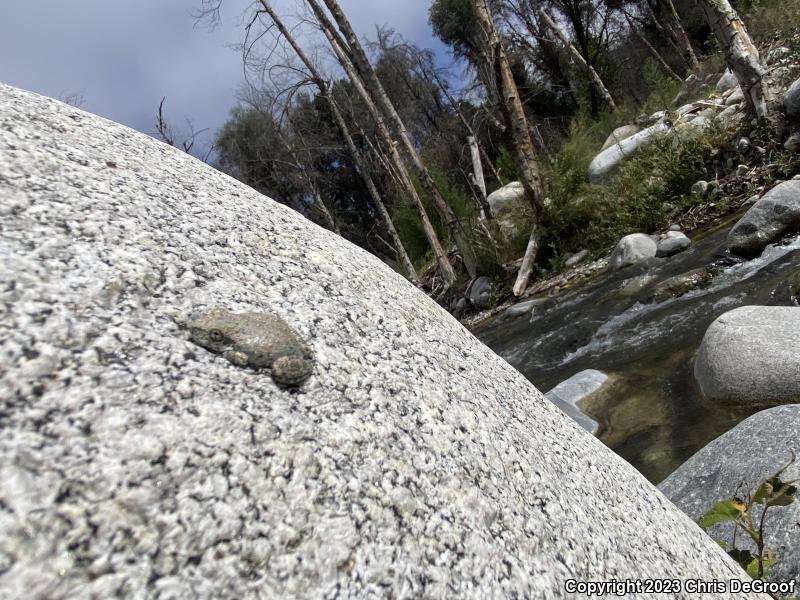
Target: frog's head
[{"x": 209, "y": 329}]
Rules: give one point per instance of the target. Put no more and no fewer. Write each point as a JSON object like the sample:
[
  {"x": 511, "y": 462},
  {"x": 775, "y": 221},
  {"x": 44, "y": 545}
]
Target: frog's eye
[{"x": 215, "y": 335}]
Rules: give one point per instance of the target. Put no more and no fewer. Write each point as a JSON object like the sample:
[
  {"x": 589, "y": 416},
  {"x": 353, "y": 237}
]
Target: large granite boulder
[
  {"x": 509, "y": 209},
  {"x": 791, "y": 100},
  {"x": 414, "y": 463},
  {"x": 608, "y": 161},
  {"x": 632, "y": 249},
  {"x": 732, "y": 466},
  {"x": 775, "y": 214},
  {"x": 749, "y": 356},
  {"x": 620, "y": 134},
  {"x": 727, "y": 81}
]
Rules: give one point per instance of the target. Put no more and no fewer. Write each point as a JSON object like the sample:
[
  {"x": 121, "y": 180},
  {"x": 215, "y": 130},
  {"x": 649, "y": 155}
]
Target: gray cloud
[{"x": 124, "y": 56}]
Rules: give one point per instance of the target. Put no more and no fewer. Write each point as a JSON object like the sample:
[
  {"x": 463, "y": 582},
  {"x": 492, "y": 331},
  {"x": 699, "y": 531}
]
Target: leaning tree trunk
[
  {"x": 445, "y": 268},
  {"x": 377, "y": 92},
  {"x": 596, "y": 80},
  {"x": 656, "y": 54},
  {"x": 741, "y": 55},
  {"x": 680, "y": 34},
  {"x": 525, "y": 158},
  {"x": 397, "y": 243}
]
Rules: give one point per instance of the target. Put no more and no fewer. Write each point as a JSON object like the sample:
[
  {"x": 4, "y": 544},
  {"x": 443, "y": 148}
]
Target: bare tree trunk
[
  {"x": 525, "y": 157},
  {"x": 477, "y": 174},
  {"x": 598, "y": 83},
  {"x": 400, "y": 250},
  {"x": 669, "y": 38},
  {"x": 680, "y": 34},
  {"x": 376, "y": 91},
  {"x": 741, "y": 55},
  {"x": 664, "y": 64},
  {"x": 445, "y": 268},
  {"x": 332, "y": 224},
  {"x": 470, "y": 130},
  {"x": 310, "y": 184}
]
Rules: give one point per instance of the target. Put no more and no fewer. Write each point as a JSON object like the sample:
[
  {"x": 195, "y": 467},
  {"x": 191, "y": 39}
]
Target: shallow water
[{"x": 651, "y": 412}]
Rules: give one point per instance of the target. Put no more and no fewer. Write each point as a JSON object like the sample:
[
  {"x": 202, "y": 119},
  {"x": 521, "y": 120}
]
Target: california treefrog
[{"x": 257, "y": 340}]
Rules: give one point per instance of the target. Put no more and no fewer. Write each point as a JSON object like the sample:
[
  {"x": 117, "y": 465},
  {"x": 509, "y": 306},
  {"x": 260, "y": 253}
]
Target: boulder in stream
[
  {"x": 749, "y": 357},
  {"x": 671, "y": 243},
  {"x": 632, "y": 249},
  {"x": 413, "y": 463},
  {"x": 775, "y": 214},
  {"x": 733, "y": 465},
  {"x": 568, "y": 393}
]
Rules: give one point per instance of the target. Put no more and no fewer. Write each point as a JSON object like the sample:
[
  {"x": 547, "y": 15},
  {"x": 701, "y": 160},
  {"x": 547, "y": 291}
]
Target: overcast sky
[{"x": 122, "y": 56}]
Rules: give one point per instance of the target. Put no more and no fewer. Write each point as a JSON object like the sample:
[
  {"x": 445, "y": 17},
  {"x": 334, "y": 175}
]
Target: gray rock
[
  {"x": 743, "y": 146},
  {"x": 748, "y": 357},
  {"x": 674, "y": 287},
  {"x": 413, "y": 463},
  {"x": 567, "y": 394},
  {"x": 673, "y": 242},
  {"x": 776, "y": 54},
  {"x": 635, "y": 285},
  {"x": 700, "y": 188},
  {"x": 731, "y": 115},
  {"x": 620, "y": 134},
  {"x": 775, "y": 214},
  {"x": 727, "y": 81},
  {"x": 733, "y": 465},
  {"x": 675, "y": 227},
  {"x": 608, "y": 161},
  {"x": 522, "y": 308},
  {"x": 793, "y": 143},
  {"x": 792, "y": 99},
  {"x": 632, "y": 249},
  {"x": 576, "y": 259},
  {"x": 506, "y": 197},
  {"x": 735, "y": 97},
  {"x": 480, "y": 292},
  {"x": 509, "y": 208}
]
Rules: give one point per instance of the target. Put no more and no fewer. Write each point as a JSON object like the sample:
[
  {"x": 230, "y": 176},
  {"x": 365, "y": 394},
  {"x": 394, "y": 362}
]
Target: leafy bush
[
  {"x": 650, "y": 189},
  {"x": 741, "y": 511}
]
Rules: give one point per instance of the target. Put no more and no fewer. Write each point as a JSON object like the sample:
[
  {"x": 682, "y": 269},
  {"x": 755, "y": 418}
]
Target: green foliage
[
  {"x": 505, "y": 165},
  {"x": 408, "y": 224},
  {"x": 767, "y": 18},
  {"x": 454, "y": 23},
  {"x": 663, "y": 87},
  {"x": 650, "y": 189},
  {"x": 773, "y": 491}
]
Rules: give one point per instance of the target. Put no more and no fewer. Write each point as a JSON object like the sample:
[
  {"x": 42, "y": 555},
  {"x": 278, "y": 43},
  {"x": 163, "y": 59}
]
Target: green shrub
[{"x": 649, "y": 190}]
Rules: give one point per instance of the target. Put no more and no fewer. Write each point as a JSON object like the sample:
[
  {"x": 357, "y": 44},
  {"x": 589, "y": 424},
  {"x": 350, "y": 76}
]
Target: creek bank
[{"x": 642, "y": 325}]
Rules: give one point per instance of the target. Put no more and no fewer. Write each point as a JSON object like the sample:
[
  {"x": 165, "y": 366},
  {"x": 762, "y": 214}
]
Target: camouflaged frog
[{"x": 257, "y": 340}]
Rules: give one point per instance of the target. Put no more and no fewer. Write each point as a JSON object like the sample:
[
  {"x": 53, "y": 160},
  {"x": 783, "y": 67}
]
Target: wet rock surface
[{"x": 567, "y": 394}]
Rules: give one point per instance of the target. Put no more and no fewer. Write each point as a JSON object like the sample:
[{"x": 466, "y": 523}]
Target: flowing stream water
[{"x": 650, "y": 410}]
